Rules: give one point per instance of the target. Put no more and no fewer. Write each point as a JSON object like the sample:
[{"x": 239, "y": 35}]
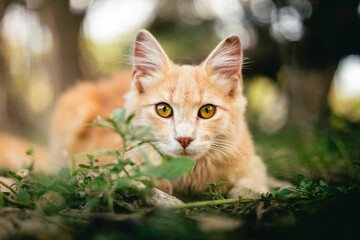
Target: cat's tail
[{"x": 17, "y": 153}]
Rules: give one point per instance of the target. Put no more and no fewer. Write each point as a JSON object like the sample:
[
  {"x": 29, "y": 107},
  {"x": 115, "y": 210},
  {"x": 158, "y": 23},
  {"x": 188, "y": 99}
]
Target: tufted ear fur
[
  {"x": 226, "y": 62},
  {"x": 148, "y": 57}
]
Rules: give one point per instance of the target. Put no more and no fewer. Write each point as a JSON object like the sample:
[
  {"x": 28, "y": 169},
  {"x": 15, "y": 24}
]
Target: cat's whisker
[
  {"x": 224, "y": 150},
  {"x": 216, "y": 158},
  {"x": 225, "y": 154},
  {"x": 226, "y": 142},
  {"x": 246, "y": 63},
  {"x": 229, "y": 148}
]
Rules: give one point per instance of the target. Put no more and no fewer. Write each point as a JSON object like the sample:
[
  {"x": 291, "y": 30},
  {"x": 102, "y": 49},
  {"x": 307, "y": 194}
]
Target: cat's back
[
  {"x": 80, "y": 105},
  {"x": 13, "y": 154}
]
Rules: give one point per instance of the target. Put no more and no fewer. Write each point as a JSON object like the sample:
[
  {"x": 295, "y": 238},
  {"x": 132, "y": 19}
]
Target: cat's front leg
[
  {"x": 164, "y": 185},
  {"x": 247, "y": 188}
]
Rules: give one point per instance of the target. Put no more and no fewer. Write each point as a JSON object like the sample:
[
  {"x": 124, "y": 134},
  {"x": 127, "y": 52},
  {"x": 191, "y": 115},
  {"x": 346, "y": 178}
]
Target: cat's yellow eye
[
  {"x": 164, "y": 110},
  {"x": 207, "y": 111}
]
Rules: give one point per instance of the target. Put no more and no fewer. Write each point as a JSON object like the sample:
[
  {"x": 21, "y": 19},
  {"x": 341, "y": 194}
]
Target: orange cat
[{"x": 196, "y": 112}]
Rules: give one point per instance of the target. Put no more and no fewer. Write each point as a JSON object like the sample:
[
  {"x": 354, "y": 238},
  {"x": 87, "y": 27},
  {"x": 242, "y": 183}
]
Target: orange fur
[
  {"x": 13, "y": 154},
  {"x": 221, "y": 146},
  {"x": 81, "y": 105}
]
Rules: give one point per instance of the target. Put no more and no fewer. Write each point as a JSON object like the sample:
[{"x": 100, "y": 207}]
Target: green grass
[
  {"x": 332, "y": 155},
  {"x": 101, "y": 202}
]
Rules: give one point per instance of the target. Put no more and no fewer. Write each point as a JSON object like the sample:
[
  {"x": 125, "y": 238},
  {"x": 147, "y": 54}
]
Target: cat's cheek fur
[
  {"x": 162, "y": 132},
  {"x": 151, "y": 119},
  {"x": 160, "y": 126}
]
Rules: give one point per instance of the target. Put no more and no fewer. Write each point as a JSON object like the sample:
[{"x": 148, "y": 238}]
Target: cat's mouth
[
  {"x": 190, "y": 152},
  {"x": 187, "y": 153}
]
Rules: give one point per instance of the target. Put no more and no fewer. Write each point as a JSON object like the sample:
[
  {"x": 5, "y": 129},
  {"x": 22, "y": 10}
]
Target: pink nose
[{"x": 184, "y": 141}]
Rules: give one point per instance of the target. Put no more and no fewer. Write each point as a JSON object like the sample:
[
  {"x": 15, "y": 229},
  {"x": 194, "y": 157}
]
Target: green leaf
[
  {"x": 222, "y": 182},
  {"x": 101, "y": 120},
  {"x": 23, "y": 196},
  {"x": 113, "y": 123},
  {"x": 64, "y": 173},
  {"x": 120, "y": 114},
  {"x": 284, "y": 192},
  {"x": 92, "y": 203},
  {"x": 323, "y": 183},
  {"x": 171, "y": 168},
  {"x": 84, "y": 166},
  {"x": 30, "y": 151},
  {"x": 122, "y": 184},
  {"x": 90, "y": 157},
  {"x": 130, "y": 118},
  {"x": 14, "y": 175},
  {"x": 301, "y": 177}
]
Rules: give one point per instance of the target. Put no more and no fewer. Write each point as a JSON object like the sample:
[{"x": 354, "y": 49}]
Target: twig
[
  {"x": 8, "y": 187},
  {"x": 12, "y": 201},
  {"x": 213, "y": 203},
  {"x": 110, "y": 200}
]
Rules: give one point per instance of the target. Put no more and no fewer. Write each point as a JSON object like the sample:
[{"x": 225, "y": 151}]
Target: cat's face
[{"x": 190, "y": 108}]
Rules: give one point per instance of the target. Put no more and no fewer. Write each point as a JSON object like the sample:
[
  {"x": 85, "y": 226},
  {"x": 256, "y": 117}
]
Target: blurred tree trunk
[
  {"x": 330, "y": 35},
  {"x": 65, "y": 28},
  {"x": 308, "y": 93},
  {"x": 5, "y": 122},
  {"x": 13, "y": 109}
]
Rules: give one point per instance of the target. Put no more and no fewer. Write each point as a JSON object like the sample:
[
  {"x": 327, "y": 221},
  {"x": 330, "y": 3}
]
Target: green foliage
[
  {"x": 331, "y": 154},
  {"x": 171, "y": 168},
  {"x": 133, "y": 136},
  {"x": 309, "y": 189},
  {"x": 30, "y": 152},
  {"x": 105, "y": 202},
  {"x": 98, "y": 188},
  {"x": 215, "y": 191}
]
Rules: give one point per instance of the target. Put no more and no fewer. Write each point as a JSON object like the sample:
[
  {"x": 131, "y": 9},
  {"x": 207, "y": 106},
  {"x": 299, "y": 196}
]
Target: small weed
[
  {"x": 98, "y": 188},
  {"x": 214, "y": 190}
]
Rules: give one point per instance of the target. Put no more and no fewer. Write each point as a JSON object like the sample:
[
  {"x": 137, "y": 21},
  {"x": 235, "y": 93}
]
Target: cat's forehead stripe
[{"x": 187, "y": 86}]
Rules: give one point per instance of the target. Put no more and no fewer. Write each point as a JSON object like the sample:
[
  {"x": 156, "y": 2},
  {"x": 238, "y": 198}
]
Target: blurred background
[{"x": 301, "y": 71}]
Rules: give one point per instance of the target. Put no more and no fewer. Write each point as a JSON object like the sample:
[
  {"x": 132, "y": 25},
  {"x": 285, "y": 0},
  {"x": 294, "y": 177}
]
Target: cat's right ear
[
  {"x": 148, "y": 58},
  {"x": 226, "y": 61}
]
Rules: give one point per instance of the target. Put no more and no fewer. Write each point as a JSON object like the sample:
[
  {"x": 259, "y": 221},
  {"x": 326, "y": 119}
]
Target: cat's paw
[{"x": 247, "y": 188}]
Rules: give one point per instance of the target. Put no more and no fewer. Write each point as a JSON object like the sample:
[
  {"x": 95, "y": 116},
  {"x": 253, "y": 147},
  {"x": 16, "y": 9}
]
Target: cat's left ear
[{"x": 226, "y": 61}]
